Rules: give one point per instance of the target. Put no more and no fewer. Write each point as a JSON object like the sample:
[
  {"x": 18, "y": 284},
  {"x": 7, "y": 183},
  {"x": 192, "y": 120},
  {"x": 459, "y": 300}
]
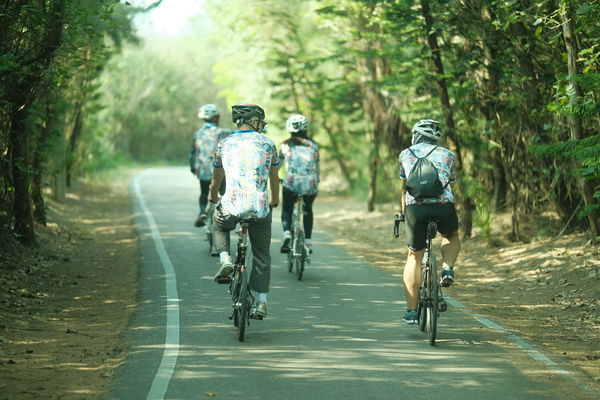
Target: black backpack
[{"x": 423, "y": 180}]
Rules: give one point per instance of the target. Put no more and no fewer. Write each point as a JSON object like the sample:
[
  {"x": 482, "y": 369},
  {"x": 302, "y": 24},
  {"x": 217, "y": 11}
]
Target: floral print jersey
[
  {"x": 302, "y": 165},
  {"x": 247, "y": 158},
  {"x": 442, "y": 158},
  {"x": 204, "y": 143}
]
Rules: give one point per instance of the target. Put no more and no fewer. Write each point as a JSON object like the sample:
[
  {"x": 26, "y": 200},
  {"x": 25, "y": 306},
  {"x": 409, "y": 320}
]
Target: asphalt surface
[{"x": 337, "y": 334}]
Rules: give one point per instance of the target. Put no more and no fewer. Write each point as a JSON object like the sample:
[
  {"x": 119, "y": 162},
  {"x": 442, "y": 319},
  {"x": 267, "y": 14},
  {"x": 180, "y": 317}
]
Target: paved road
[{"x": 337, "y": 334}]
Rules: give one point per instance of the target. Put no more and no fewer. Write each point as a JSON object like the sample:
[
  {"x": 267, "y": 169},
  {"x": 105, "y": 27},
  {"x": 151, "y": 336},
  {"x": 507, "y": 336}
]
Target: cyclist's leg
[
  {"x": 259, "y": 233},
  {"x": 223, "y": 224},
  {"x": 448, "y": 228},
  {"x": 204, "y": 190},
  {"x": 287, "y": 208},
  {"x": 416, "y": 227},
  {"x": 308, "y": 215}
]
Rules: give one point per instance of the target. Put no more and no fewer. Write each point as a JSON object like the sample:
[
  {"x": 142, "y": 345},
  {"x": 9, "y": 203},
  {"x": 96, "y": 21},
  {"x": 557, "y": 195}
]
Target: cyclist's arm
[
  {"x": 215, "y": 184},
  {"x": 274, "y": 185},
  {"x": 403, "y": 198}
]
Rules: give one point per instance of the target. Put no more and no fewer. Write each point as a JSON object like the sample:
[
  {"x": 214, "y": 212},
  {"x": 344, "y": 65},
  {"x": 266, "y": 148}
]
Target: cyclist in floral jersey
[
  {"x": 249, "y": 163},
  {"x": 202, "y": 154},
  {"x": 301, "y": 155}
]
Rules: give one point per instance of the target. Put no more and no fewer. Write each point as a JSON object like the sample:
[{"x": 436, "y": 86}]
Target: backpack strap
[{"x": 425, "y": 156}]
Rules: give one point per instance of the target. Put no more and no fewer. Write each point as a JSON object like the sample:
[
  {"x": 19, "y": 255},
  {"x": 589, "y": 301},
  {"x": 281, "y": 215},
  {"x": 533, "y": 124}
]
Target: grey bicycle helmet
[
  {"x": 296, "y": 123},
  {"x": 244, "y": 113},
  {"x": 208, "y": 112},
  {"x": 428, "y": 128}
]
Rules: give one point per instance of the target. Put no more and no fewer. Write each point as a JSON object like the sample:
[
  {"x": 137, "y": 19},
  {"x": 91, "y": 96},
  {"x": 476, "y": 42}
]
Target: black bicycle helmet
[{"x": 244, "y": 113}]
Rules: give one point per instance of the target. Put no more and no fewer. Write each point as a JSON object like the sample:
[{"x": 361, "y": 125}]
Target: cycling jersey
[
  {"x": 442, "y": 158},
  {"x": 205, "y": 141},
  {"x": 247, "y": 157},
  {"x": 302, "y": 165}
]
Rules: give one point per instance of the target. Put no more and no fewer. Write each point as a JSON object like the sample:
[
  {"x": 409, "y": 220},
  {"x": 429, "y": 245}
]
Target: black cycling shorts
[{"x": 416, "y": 222}]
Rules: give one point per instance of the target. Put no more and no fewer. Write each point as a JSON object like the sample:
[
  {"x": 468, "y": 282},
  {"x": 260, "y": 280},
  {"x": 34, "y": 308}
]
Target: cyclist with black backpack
[{"x": 427, "y": 170}]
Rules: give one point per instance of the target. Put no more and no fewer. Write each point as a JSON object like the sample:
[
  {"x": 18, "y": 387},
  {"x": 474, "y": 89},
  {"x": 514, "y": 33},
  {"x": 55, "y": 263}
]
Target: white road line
[
  {"x": 535, "y": 354},
  {"x": 161, "y": 380}
]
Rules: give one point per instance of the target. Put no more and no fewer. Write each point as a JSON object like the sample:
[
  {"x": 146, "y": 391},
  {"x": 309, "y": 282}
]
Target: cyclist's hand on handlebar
[{"x": 397, "y": 219}]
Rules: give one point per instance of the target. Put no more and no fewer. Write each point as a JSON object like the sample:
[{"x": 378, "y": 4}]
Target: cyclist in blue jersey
[
  {"x": 249, "y": 163},
  {"x": 202, "y": 153},
  {"x": 426, "y": 135},
  {"x": 301, "y": 156}
]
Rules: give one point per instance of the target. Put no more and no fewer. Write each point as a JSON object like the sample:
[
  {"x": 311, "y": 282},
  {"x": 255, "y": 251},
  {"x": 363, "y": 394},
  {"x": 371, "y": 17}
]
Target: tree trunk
[
  {"x": 39, "y": 210},
  {"x": 465, "y": 204},
  {"x": 21, "y": 95},
  {"x": 74, "y": 139},
  {"x": 337, "y": 154},
  {"x": 19, "y": 143},
  {"x": 575, "y": 124},
  {"x": 374, "y": 167}
]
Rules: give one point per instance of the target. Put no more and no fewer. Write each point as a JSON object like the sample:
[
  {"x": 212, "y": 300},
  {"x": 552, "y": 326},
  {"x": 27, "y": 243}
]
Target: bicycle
[
  {"x": 431, "y": 299},
  {"x": 241, "y": 296},
  {"x": 299, "y": 254}
]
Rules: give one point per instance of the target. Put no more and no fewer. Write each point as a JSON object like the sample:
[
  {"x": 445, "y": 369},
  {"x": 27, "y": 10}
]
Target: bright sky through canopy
[{"x": 170, "y": 18}]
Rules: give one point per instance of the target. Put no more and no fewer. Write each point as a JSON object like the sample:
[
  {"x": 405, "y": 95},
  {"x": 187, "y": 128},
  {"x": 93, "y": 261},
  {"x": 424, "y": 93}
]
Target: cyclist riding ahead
[
  {"x": 202, "y": 154},
  {"x": 418, "y": 206},
  {"x": 301, "y": 155},
  {"x": 247, "y": 160}
]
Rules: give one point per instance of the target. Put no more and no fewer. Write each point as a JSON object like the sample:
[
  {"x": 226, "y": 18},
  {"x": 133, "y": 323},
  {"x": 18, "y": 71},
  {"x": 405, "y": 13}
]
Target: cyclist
[
  {"x": 426, "y": 135},
  {"x": 202, "y": 152},
  {"x": 301, "y": 155},
  {"x": 246, "y": 159}
]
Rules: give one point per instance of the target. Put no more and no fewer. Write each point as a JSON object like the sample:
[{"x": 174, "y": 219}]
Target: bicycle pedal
[
  {"x": 223, "y": 280},
  {"x": 442, "y": 305}
]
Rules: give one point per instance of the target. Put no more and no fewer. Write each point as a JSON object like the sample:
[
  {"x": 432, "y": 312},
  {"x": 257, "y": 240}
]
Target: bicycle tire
[
  {"x": 422, "y": 304},
  {"x": 432, "y": 311},
  {"x": 290, "y": 255},
  {"x": 235, "y": 292},
  {"x": 300, "y": 256},
  {"x": 243, "y": 304}
]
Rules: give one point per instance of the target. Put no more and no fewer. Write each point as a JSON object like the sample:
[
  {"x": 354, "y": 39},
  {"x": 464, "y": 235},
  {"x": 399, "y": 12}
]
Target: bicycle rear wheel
[
  {"x": 290, "y": 255},
  {"x": 432, "y": 309},
  {"x": 242, "y": 305},
  {"x": 422, "y": 304},
  {"x": 299, "y": 255}
]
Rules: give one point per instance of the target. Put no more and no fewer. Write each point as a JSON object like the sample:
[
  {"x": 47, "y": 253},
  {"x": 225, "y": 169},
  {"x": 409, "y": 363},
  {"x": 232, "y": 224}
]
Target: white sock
[
  {"x": 223, "y": 256},
  {"x": 262, "y": 297},
  {"x": 307, "y": 242},
  {"x": 287, "y": 235},
  {"x": 446, "y": 266}
]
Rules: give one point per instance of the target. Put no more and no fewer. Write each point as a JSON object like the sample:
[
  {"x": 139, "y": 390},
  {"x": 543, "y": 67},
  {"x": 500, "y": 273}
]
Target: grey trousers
[{"x": 259, "y": 233}]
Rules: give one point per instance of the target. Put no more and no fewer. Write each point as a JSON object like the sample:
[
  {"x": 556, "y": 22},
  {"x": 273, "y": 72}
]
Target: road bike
[
  {"x": 299, "y": 254},
  {"x": 431, "y": 299},
  {"x": 241, "y": 296}
]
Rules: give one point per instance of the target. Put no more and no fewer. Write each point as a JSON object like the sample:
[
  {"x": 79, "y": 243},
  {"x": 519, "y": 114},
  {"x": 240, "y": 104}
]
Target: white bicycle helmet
[
  {"x": 208, "y": 112},
  {"x": 296, "y": 123},
  {"x": 428, "y": 128}
]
